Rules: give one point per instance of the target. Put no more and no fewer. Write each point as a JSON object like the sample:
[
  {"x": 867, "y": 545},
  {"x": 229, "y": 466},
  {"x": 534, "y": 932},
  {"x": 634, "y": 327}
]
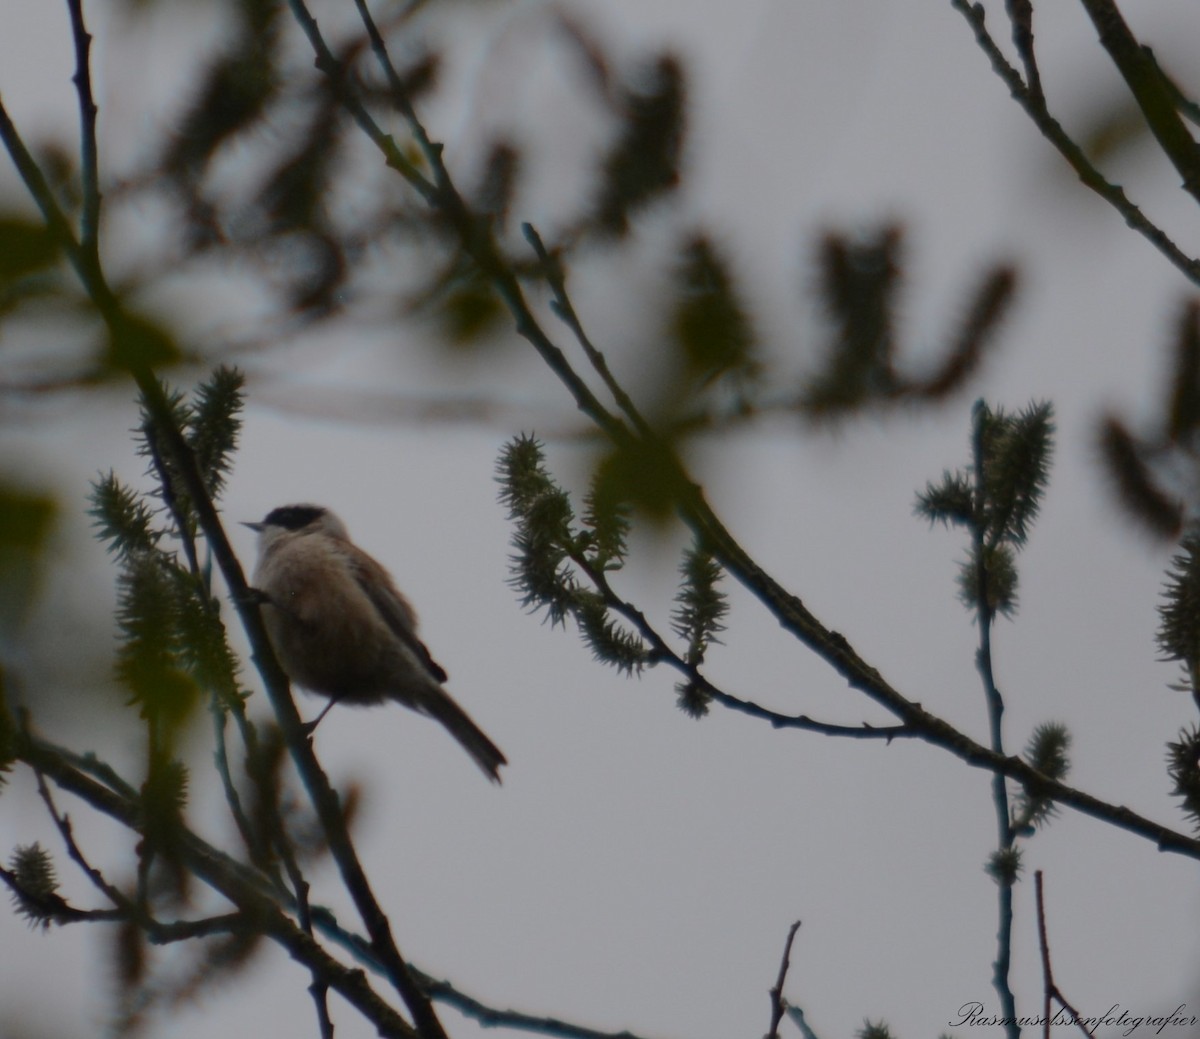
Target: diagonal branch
[
  {"x": 556, "y": 279},
  {"x": 245, "y": 888},
  {"x": 1150, "y": 90},
  {"x": 1020, "y": 14},
  {"x": 477, "y": 240},
  {"x": 1052, "y": 130},
  {"x": 663, "y": 652},
  {"x": 335, "y": 71},
  {"x": 778, "y": 1003}
]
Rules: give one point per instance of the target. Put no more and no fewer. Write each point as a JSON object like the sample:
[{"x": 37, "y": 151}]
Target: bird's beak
[{"x": 256, "y": 527}]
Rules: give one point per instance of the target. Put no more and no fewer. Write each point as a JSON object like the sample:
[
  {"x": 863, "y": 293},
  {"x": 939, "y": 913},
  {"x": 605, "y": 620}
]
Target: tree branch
[
  {"x": 663, "y": 652},
  {"x": 778, "y": 1003},
  {"x": 89, "y": 224},
  {"x": 476, "y": 239},
  {"x": 245, "y": 888},
  {"x": 1150, "y": 90},
  {"x": 1049, "y": 989},
  {"x": 490, "y": 1017},
  {"x": 985, "y": 616},
  {"x": 1050, "y": 128}
]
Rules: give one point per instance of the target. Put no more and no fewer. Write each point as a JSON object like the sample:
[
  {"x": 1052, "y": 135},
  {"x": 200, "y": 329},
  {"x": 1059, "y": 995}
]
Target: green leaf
[
  {"x": 1016, "y": 453},
  {"x": 609, "y": 641},
  {"x": 858, "y": 286},
  {"x": 121, "y": 518},
  {"x": 36, "y": 896},
  {"x": 645, "y": 475},
  {"x": 951, "y": 502},
  {"x": 8, "y": 733},
  {"x": 977, "y": 331},
  {"x": 691, "y": 699},
  {"x": 1185, "y": 377},
  {"x": 606, "y": 516},
  {"x": 163, "y": 798},
  {"x": 26, "y": 246},
  {"x": 26, "y": 521},
  {"x": 879, "y": 1030},
  {"x": 469, "y": 311},
  {"x": 999, "y": 575},
  {"x": 542, "y": 514},
  {"x": 1183, "y": 766},
  {"x": 150, "y": 660},
  {"x": 1004, "y": 866},
  {"x": 1047, "y": 752},
  {"x": 700, "y": 605},
  {"x": 235, "y": 90},
  {"x": 1179, "y": 613},
  {"x": 139, "y": 343},
  {"x": 644, "y": 162},
  {"x": 709, "y": 323},
  {"x": 215, "y": 422},
  {"x": 1158, "y": 510}
]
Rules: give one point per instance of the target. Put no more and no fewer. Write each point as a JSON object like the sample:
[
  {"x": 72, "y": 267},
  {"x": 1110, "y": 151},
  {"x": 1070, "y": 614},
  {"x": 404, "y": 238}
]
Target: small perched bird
[{"x": 341, "y": 629}]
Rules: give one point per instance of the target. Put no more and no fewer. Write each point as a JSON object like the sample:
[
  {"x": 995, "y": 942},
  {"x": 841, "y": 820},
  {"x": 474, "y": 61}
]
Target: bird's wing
[{"x": 394, "y": 609}]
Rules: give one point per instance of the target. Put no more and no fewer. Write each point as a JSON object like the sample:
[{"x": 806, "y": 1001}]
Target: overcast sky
[{"x": 639, "y": 869}]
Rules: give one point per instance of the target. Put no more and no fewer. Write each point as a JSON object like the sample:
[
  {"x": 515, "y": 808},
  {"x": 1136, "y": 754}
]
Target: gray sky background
[{"x": 638, "y": 869}]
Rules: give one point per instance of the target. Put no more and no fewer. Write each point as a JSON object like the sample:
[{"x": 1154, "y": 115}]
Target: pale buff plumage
[{"x": 340, "y": 627}]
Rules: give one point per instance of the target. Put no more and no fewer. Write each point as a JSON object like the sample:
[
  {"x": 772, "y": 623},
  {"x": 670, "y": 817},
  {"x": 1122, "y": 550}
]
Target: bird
[{"x": 340, "y": 628}]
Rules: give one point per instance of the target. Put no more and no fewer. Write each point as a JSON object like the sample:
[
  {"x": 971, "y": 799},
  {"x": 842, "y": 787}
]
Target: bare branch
[
  {"x": 89, "y": 229},
  {"x": 244, "y": 887},
  {"x": 1020, "y": 14},
  {"x": 490, "y": 1017},
  {"x": 1150, "y": 90},
  {"x": 1050, "y": 128},
  {"x": 1049, "y": 988},
  {"x": 778, "y": 1003},
  {"x": 985, "y": 616}
]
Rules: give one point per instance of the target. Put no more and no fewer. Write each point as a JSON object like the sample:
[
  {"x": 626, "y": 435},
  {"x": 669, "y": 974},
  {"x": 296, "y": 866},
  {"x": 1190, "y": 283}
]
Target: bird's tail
[{"x": 458, "y": 723}]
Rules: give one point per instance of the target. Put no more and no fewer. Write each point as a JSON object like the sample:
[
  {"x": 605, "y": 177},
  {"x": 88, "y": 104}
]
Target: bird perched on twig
[{"x": 340, "y": 628}]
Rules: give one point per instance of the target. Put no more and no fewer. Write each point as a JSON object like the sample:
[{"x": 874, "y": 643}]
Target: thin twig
[
  {"x": 778, "y": 1003},
  {"x": 63, "y": 823},
  {"x": 89, "y": 222},
  {"x": 1049, "y": 988},
  {"x": 232, "y": 798},
  {"x": 319, "y": 987},
  {"x": 243, "y": 886},
  {"x": 1050, "y": 128},
  {"x": 249, "y": 889},
  {"x": 124, "y": 908},
  {"x": 335, "y": 71},
  {"x": 1150, "y": 90},
  {"x": 663, "y": 652},
  {"x": 1189, "y": 108},
  {"x": 44, "y": 909},
  {"x": 796, "y": 1016},
  {"x": 43, "y": 197},
  {"x": 187, "y": 537},
  {"x": 985, "y": 616},
  {"x": 1020, "y": 14},
  {"x": 490, "y": 1017},
  {"x": 555, "y": 278}
]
